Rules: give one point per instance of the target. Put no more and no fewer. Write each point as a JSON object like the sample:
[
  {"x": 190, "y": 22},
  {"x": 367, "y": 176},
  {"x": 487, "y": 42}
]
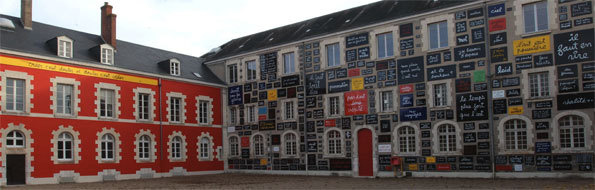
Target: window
[
  {"x": 290, "y": 144},
  {"x": 251, "y": 70},
  {"x": 174, "y": 68},
  {"x": 251, "y": 113},
  {"x": 572, "y": 132},
  {"x": 107, "y": 56},
  {"x": 536, "y": 17},
  {"x": 64, "y": 146},
  {"x": 202, "y": 112},
  {"x": 64, "y": 99},
  {"x": 176, "y": 148},
  {"x": 258, "y": 145},
  {"x": 106, "y": 103},
  {"x": 406, "y": 139},
  {"x": 289, "y": 107},
  {"x": 107, "y": 147},
  {"x": 515, "y": 132},
  {"x": 234, "y": 146},
  {"x": 65, "y": 48},
  {"x": 289, "y": 63},
  {"x": 233, "y": 113},
  {"x": 447, "y": 138},
  {"x": 175, "y": 109},
  {"x": 440, "y": 97},
  {"x": 334, "y": 106},
  {"x": 15, "y": 94},
  {"x": 386, "y": 101},
  {"x": 143, "y": 106},
  {"x": 333, "y": 54},
  {"x": 204, "y": 147},
  {"x": 438, "y": 35},
  {"x": 144, "y": 147},
  {"x": 334, "y": 142},
  {"x": 15, "y": 139},
  {"x": 385, "y": 45},
  {"x": 233, "y": 73},
  {"x": 539, "y": 85}
]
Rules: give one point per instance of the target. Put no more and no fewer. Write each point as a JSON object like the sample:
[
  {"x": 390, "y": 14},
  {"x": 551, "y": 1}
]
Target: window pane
[
  {"x": 529, "y": 15},
  {"x": 443, "y": 34},
  {"x": 433, "y": 30},
  {"x": 381, "y": 46},
  {"x": 389, "y": 45},
  {"x": 542, "y": 16}
]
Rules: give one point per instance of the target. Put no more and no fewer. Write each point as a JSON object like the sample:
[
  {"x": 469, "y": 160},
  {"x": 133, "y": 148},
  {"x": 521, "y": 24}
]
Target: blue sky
[{"x": 191, "y": 27}]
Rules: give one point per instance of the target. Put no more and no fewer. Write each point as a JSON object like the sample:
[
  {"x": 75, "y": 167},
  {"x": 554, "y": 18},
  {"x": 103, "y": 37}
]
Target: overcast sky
[{"x": 191, "y": 27}]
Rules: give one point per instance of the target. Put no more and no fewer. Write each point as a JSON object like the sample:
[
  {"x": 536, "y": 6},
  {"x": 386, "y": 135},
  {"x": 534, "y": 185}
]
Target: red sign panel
[
  {"x": 503, "y": 168},
  {"x": 356, "y": 102},
  {"x": 443, "y": 167},
  {"x": 497, "y": 24},
  {"x": 353, "y": 72},
  {"x": 329, "y": 123},
  {"x": 408, "y": 88},
  {"x": 262, "y": 117},
  {"x": 245, "y": 141}
]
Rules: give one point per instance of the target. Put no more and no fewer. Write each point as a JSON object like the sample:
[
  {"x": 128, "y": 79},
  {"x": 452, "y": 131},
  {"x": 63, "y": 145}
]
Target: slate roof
[
  {"x": 128, "y": 55},
  {"x": 359, "y": 16}
]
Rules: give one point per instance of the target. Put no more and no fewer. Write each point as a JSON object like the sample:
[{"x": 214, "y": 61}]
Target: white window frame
[
  {"x": 574, "y": 130},
  {"x": 204, "y": 112},
  {"x": 107, "y": 54},
  {"x": 436, "y": 140},
  {"x": 501, "y": 136},
  {"x": 440, "y": 26},
  {"x": 258, "y": 147},
  {"x": 293, "y": 109},
  {"x": 289, "y": 60},
  {"x": 12, "y": 83},
  {"x": 139, "y": 108},
  {"x": 182, "y": 106},
  {"x": 108, "y": 145},
  {"x": 324, "y": 59},
  {"x": 144, "y": 147},
  {"x": 327, "y": 105},
  {"x": 234, "y": 147},
  {"x": 405, "y": 139},
  {"x": 176, "y": 149},
  {"x": 204, "y": 148},
  {"x": 387, "y": 43},
  {"x": 525, "y": 82},
  {"x": 538, "y": 86},
  {"x": 431, "y": 96},
  {"x": 174, "y": 67},
  {"x": 62, "y": 89},
  {"x": 514, "y": 139},
  {"x": 232, "y": 76},
  {"x": 251, "y": 117},
  {"x": 28, "y": 96},
  {"x": 116, "y": 100},
  {"x": 233, "y": 115},
  {"x": 340, "y": 140},
  {"x": 536, "y": 17},
  {"x": 290, "y": 147},
  {"x": 425, "y": 31},
  {"x": 181, "y": 149},
  {"x": 519, "y": 18},
  {"x": 63, "y": 139},
  {"x": 14, "y": 137},
  {"x": 65, "y": 46},
  {"x": 107, "y": 103},
  {"x": 397, "y": 143},
  {"x": 334, "y": 60},
  {"x": 75, "y": 100},
  {"x": 588, "y": 131},
  {"x": 380, "y": 101},
  {"x": 75, "y": 146},
  {"x": 145, "y": 152},
  {"x": 251, "y": 75}
]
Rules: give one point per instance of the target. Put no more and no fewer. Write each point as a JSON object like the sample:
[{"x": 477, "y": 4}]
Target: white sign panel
[
  {"x": 231, "y": 129},
  {"x": 384, "y": 148},
  {"x": 498, "y": 94}
]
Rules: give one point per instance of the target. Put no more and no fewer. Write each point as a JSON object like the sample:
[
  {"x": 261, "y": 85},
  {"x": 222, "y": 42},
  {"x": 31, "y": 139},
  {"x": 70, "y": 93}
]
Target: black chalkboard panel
[
  {"x": 543, "y": 60},
  {"x": 385, "y": 126},
  {"x": 583, "y": 21},
  {"x": 338, "y": 86},
  {"x": 475, "y": 13},
  {"x": 351, "y": 55},
  {"x": 461, "y": 26},
  {"x": 460, "y": 15},
  {"x": 341, "y": 73},
  {"x": 410, "y": 70},
  {"x": 576, "y": 101},
  {"x": 579, "y": 9},
  {"x": 406, "y": 44},
  {"x": 463, "y": 85},
  {"x": 363, "y": 53},
  {"x": 472, "y": 106},
  {"x": 432, "y": 59},
  {"x": 523, "y": 58},
  {"x": 543, "y": 147},
  {"x": 477, "y": 22},
  {"x": 468, "y": 66},
  {"x": 315, "y": 84},
  {"x": 462, "y": 40},
  {"x": 572, "y": 47},
  {"x": 515, "y": 101},
  {"x": 288, "y": 81},
  {"x": 370, "y": 80},
  {"x": 507, "y": 82},
  {"x": 565, "y": 86},
  {"x": 497, "y": 39},
  {"x": 499, "y": 54},
  {"x": 569, "y": 71},
  {"x": 443, "y": 72},
  {"x": 372, "y": 119},
  {"x": 500, "y": 106},
  {"x": 503, "y": 69},
  {"x": 356, "y": 40},
  {"x": 447, "y": 55},
  {"x": 406, "y": 30},
  {"x": 469, "y": 52},
  {"x": 542, "y": 114},
  {"x": 477, "y": 35},
  {"x": 513, "y": 92}
]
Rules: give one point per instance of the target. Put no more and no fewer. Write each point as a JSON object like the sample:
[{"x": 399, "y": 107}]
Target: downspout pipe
[{"x": 160, "y": 124}]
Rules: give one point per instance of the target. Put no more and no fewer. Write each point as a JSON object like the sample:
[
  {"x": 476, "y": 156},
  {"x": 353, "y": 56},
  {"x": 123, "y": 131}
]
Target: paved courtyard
[{"x": 253, "y": 181}]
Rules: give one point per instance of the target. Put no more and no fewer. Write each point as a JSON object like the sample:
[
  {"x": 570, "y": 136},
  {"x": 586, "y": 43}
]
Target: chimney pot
[
  {"x": 108, "y": 25},
  {"x": 26, "y": 12}
]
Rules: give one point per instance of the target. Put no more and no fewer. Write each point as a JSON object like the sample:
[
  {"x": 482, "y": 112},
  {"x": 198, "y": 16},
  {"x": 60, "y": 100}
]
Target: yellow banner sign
[
  {"x": 430, "y": 159},
  {"x": 74, "y": 70},
  {"x": 263, "y": 161},
  {"x": 357, "y": 84},
  {"x": 531, "y": 45},
  {"x": 272, "y": 95},
  {"x": 515, "y": 110},
  {"x": 413, "y": 167}
]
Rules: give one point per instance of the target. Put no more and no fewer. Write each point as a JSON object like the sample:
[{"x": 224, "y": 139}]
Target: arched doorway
[{"x": 365, "y": 152}]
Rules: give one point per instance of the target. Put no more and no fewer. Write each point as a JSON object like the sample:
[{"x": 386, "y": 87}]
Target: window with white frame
[
  {"x": 144, "y": 147},
  {"x": 232, "y": 71},
  {"x": 233, "y": 115},
  {"x": 251, "y": 70},
  {"x": 440, "y": 95},
  {"x": 143, "y": 106},
  {"x": 107, "y": 103},
  {"x": 174, "y": 68},
  {"x": 204, "y": 147},
  {"x": 107, "y": 55},
  {"x": 334, "y": 142},
  {"x": 539, "y": 85},
  {"x": 572, "y": 132},
  {"x": 64, "y": 47},
  {"x": 234, "y": 146},
  {"x": 447, "y": 138},
  {"x": 290, "y": 144},
  {"x": 251, "y": 113},
  {"x": 406, "y": 139},
  {"x": 515, "y": 134},
  {"x": 203, "y": 114},
  {"x": 385, "y": 45},
  {"x": 333, "y": 54},
  {"x": 334, "y": 106},
  {"x": 15, "y": 139},
  {"x": 288, "y": 63},
  {"x": 175, "y": 109},
  {"x": 289, "y": 110},
  {"x": 64, "y": 99},
  {"x": 176, "y": 148},
  {"x": 15, "y": 94},
  {"x": 535, "y": 17},
  {"x": 65, "y": 145},
  {"x": 259, "y": 145},
  {"x": 107, "y": 147},
  {"x": 438, "y": 35},
  {"x": 386, "y": 101}
]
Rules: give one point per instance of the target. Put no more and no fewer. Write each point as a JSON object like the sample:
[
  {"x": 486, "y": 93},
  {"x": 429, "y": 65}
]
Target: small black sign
[
  {"x": 363, "y": 53},
  {"x": 576, "y": 101},
  {"x": 579, "y": 9},
  {"x": 469, "y": 52},
  {"x": 542, "y": 114},
  {"x": 477, "y": 22},
  {"x": 543, "y": 60},
  {"x": 468, "y": 66},
  {"x": 443, "y": 72},
  {"x": 406, "y": 30},
  {"x": 504, "y": 69},
  {"x": 356, "y": 40},
  {"x": 406, "y": 44},
  {"x": 475, "y": 13},
  {"x": 499, "y": 54},
  {"x": 542, "y": 125},
  {"x": 583, "y": 21},
  {"x": 565, "y": 86},
  {"x": 500, "y": 106},
  {"x": 497, "y": 39},
  {"x": 507, "y": 82},
  {"x": 569, "y": 71},
  {"x": 432, "y": 59},
  {"x": 462, "y": 40},
  {"x": 515, "y": 101},
  {"x": 477, "y": 35},
  {"x": 513, "y": 92},
  {"x": 461, "y": 26}
]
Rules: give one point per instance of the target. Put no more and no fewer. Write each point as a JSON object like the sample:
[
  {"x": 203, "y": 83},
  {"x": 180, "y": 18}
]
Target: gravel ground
[{"x": 253, "y": 181}]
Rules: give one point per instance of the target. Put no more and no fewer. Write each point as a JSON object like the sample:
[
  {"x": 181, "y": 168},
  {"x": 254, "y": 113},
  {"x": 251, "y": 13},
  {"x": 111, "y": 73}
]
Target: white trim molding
[
  {"x": 152, "y": 146},
  {"x": 76, "y": 145},
  {"x": 28, "y": 87},
  {"x": 151, "y": 93},
  {"x": 425, "y": 37},
  {"x": 75, "y": 96},
  {"x": 325, "y": 143},
  {"x": 252, "y": 149},
  {"x": 519, "y": 18},
  {"x": 449, "y": 93},
  {"x": 182, "y": 147},
  {"x": 323, "y": 57},
  {"x": 284, "y": 146},
  {"x": 394, "y": 30},
  {"x": 171, "y": 95},
  {"x": 117, "y": 97},
  {"x": 551, "y": 81},
  {"x": 209, "y": 109},
  {"x": 208, "y": 136},
  {"x": 117, "y": 143}
]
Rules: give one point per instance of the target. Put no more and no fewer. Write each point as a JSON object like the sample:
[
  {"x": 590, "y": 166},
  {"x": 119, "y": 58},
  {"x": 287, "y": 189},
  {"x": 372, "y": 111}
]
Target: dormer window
[
  {"x": 174, "y": 68},
  {"x": 64, "y": 47},
  {"x": 107, "y": 54}
]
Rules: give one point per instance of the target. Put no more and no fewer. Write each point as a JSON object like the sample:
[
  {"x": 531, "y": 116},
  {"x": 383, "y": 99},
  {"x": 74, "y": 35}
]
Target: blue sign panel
[
  {"x": 414, "y": 114},
  {"x": 496, "y": 10},
  {"x": 262, "y": 110},
  {"x": 407, "y": 100},
  {"x": 235, "y": 95}
]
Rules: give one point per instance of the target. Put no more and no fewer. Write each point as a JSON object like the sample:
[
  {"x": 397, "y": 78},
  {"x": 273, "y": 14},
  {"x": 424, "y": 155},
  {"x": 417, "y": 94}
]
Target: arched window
[
  {"x": 176, "y": 148},
  {"x": 204, "y": 147},
  {"x": 64, "y": 146},
  {"x": 144, "y": 147},
  {"x": 233, "y": 146},
  {"x": 334, "y": 142},
  {"x": 107, "y": 147},
  {"x": 515, "y": 133},
  {"x": 447, "y": 138},
  {"x": 290, "y": 144},
  {"x": 15, "y": 139},
  {"x": 406, "y": 139},
  {"x": 258, "y": 145},
  {"x": 572, "y": 132}
]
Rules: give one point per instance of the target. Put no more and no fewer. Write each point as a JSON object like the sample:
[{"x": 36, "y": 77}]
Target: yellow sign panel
[
  {"x": 272, "y": 95},
  {"x": 412, "y": 167},
  {"x": 357, "y": 84},
  {"x": 430, "y": 159},
  {"x": 515, "y": 110},
  {"x": 74, "y": 70},
  {"x": 263, "y": 161},
  {"x": 531, "y": 45}
]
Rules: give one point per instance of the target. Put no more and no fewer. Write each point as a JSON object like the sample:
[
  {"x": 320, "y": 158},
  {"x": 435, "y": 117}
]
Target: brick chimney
[
  {"x": 108, "y": 25},
  {"x": 26, "y": 9}
]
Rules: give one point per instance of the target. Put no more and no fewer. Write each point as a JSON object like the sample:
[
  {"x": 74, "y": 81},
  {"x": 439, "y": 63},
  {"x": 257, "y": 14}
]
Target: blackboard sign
[
  {"x": 406, "y": 30},
  {"x": 543, "y": 60},
  {"x": 530, "y": 160},
  {"x": 235, "y": 95},
  {"x": 410, "y": 70},
  {"x": 576, "y": 101},
  {"x": 443, "y": 72},
  {"x": 338, "y": 86},
  {"x": 562, "y": 158},
  {"x": 589, "y": 86},
  {"x": 363, "y": 53},
  {"x": 288, "y": 81},
  {"x": 361, "y": 64},
  {"x": 588, "y": 76},
  {"x": 572, "y": 47},
  {"x": 266, "y": 125},
  {"x": 477, "y": 35},
  {"x": 372, "y": 119},
  {"x": 515, "y": 101},
  {"x": 513, "y": 92},
  {"x": 543, "y": 160},
  {"x": 341, "y": 73},
  {"x": 351, "y": 55},
  {"x": 472, "y": 106},
  {"x": 460, "y": 15},
  {"x": 542, "y": 114},
  {"x": 330, "y": 74},
  {"x": 370, "y": 80},
  {"x": 483, "y": 135},
  {"x": 483, "y": 160},
  {"x": 461, "y": 26},
  {"x": 382, "y": 65},
  {"x": 447, "y": 55},
  {"x": 499, "y": 54},
  {"x": 469, "y": 52},
  {"x": 496, "y": 10},
  {"x": 248, "y": 87},
  {"x": 385, "y": 126},
  {"x": 468, "y": 66},
  {"x": 542, "y": 125},
  {"x": 507, "y": 82},
  {"x": 523, "y": 58},
  {"x": 425, "y": 125},
  {"x": 480, "y": 87},
  {"x": 356, "y": 40},
  {"x": 562, "y": 167},
  {"x": 483, "y": 145},
  {"x": 516, "y": 159},
  {"x": 462, "y": 40},
  {"x": 432, "y": 59},
  {"x": 310, "y": 102},
  {"x": 469, "y": 126},
  {"x": 413, "y": 114},
  {"x": 407, "y": 100},
  {"x": 475, "y": 13},
  {"x": 522, "y": 66},
  {"x": 579, "y": 9},
  {"x": 500, "y": 106},
  {"x": 500, "y": 160},
  {"x": 406, "y": 44},
  {"x": 315, "y": 84},
  {"x": 497, "y": 39},
  {"x": 565, "y": 86},
  {"x": 583, "y": 21},
  {"x": 245, "y": 153},
  {"x": 477, "y": 22},
  {"x": 504, "y": 69},
  {"x": 463, "y": 85},
  {"x": 569, "y": 71},
  {"x": 312, "y": 146}
]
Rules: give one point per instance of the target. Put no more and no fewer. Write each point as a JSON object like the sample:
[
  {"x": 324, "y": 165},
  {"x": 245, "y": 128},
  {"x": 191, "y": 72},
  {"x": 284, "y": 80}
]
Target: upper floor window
[
  {"x": 258, "y": 145},
  {"x": 334, "y": 106},
  {"x": 333, "y": 54},
  {"x": 386, "y": 103},
  {"x": 438, "y": 35},
  {"x": 233, "y": 146},
  {"x": 232, "y": 71},
  {"x": 515, "y": 132},
  {"x": 440, "y": 95},
  {"x": 64, "y": 47},
  {"x": 406, "y": 139},
  {"x": 203, "y": 106},
  {"x": 144, "y": 147},
  {"x": 251, "y": 70},
  {"x": 447, "y": 137},
  {"x": 106, "y": 103},
  {"x": 174, "y": 68},
  {"x": 15, "y": 139},
  {"x": 65, "y": 146},
  {"x": 572, "y": 132},
  {"x": 64, "y": 99},
  {"x": 204, "y": 147},
  {"x": 385, "y": 45},
  {"x": 107, "y": 147},
  {"x": 107, "y": 55},
  {"x": 175, "y": 109},
  {"x": 15, "y": 94},
  {"x": 536, "y": 17},
  {"x": 290, "y": 144},
  {"x": 539, "y": 84},
  {"x": 289, "y": 63},
  {"x": 143, "y": 106}
]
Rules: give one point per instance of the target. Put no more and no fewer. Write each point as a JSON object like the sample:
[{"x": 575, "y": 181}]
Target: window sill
[
  {"x": 331, "y": 67},
  {"x": 205, "y": 159},
  {"x": 440, "y": 107},
  {"x": 511, "y": 152},
  {"x": 531, "y": 34},
  {"x": 144, "y": 160},
  {"x": 288, "y": 74},
  {"x": 175, "y": 123},
  {"x": 532, "y": 99},
  {"x": 177, "y": 160},
  {"x": 65, "y": 116},
  {"x": 438, "y": 49},
  {"x": 107, "y": 118},
  {"x": 65, "y": 162},
  {"x": 144, "y": 121},
  {"x": 9, "y": 112},
  {"x": 107, "y": 162},
  {"x": 385, "y": 58},
  {"x": 334, "y": 156},
  {"x": 447, "y": 154}
]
